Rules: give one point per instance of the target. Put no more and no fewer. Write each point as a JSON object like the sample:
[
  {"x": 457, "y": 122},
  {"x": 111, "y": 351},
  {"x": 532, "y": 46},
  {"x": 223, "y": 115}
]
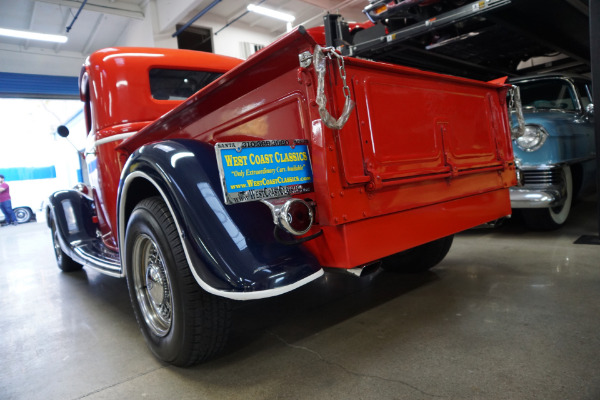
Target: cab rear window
[{"x": 175, "y": 84}]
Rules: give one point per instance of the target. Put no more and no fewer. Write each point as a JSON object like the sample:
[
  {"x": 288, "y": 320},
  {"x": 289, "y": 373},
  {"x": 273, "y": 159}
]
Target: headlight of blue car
[{"x": 532, "y": 139}]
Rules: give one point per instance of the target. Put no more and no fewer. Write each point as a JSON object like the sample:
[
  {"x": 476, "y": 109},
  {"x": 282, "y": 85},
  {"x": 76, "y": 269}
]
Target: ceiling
[
  {"x": 526, "y": 28},
  {"x": 102, "y": 22}
]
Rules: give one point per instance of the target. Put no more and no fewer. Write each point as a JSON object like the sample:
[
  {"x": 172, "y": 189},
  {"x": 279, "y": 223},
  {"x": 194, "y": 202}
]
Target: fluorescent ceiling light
[
  {"x": 271, "y": 13},
  {"x": 33, "y": 35}
]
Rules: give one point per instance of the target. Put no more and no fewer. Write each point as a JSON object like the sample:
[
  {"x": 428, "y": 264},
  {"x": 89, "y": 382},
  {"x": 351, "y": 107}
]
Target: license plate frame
[{"x": 263, "y": 169}]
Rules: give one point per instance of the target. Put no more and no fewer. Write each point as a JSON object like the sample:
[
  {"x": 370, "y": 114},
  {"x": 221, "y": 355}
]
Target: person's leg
[{"x": 8, "y": 212}]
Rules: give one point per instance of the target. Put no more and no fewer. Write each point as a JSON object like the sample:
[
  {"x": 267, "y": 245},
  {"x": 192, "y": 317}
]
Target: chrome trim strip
[
  {"x": 113, "y": 138},
  {"x": 230, "y": 295},
  {"x": 106, "y": 267},
  {"x": 545, "y": 167}
]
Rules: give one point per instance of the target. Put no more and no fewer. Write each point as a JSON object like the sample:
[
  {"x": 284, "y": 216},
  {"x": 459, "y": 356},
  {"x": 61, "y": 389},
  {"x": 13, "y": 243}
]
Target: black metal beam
[
  {"x": 595, "y": 58},
  {"x": 595, "y": 66},
  {"x": 195, "y": 18},
  {"x": 76, "y": 15}
]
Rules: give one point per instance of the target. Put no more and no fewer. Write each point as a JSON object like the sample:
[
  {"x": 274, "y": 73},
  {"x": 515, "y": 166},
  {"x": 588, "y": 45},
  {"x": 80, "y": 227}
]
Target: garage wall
[
  {"x": 139, "y": 33},
  {"x": 39, "y": 61},
  {"x": 228, "y": 42}
]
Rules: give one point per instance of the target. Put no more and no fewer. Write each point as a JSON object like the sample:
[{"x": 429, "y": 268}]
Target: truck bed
[{"x": 421, "y": 157}]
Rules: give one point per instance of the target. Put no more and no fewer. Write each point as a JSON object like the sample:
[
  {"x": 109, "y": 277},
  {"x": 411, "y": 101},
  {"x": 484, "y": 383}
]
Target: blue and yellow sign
[{"x": 263, "y": 169}]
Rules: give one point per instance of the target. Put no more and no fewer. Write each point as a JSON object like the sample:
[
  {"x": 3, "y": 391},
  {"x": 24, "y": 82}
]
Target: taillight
[{"x": 293, "y": 215}]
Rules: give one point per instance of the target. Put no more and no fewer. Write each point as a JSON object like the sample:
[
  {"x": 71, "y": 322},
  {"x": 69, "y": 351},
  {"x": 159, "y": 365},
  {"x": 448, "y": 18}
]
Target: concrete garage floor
[{"x": 509, "y": 314}]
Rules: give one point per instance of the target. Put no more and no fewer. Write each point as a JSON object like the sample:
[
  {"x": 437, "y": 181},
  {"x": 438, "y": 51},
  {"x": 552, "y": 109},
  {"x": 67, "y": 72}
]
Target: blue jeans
[{"x": 6, "y": 207}]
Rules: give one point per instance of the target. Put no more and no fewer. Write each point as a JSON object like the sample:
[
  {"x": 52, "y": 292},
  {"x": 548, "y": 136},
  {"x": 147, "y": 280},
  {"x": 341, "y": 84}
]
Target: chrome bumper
[
  {"x": 541, "y": 187},
  {"x": 521, "y": 197}
]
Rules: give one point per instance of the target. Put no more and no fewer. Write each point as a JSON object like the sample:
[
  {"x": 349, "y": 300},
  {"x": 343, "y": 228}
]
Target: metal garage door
[{"x": 38, "y": 86}]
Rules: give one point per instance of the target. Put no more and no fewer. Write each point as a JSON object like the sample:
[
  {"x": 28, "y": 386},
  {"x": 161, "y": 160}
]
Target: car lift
[{"x": 366, "y": 42}]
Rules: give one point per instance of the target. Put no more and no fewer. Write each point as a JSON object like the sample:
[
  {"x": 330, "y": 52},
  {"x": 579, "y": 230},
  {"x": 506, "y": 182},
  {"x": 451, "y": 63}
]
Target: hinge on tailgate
[
  {"x": 447, "y": 155},
  {"x": 375, "y": 182},
  {"x": 305, "y": 59}
]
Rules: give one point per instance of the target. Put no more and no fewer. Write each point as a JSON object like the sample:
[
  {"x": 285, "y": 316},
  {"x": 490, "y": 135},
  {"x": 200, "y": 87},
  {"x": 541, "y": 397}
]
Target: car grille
[{"x": 542, "y": 177}]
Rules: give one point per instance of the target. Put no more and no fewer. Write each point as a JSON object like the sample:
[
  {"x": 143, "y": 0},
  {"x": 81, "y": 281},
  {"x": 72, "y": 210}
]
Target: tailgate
[{"x": 414, "y": 125}]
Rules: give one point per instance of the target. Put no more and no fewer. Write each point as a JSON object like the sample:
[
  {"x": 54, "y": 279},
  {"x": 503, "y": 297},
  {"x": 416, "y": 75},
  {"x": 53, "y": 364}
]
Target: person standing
[{"x": 5, "y": 203}]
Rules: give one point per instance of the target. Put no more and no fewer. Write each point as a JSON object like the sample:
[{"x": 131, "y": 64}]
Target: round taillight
[{"x": 296, "y": 216}]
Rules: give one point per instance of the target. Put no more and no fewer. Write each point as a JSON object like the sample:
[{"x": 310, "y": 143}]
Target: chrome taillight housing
[{"x": 293, "y": 215}]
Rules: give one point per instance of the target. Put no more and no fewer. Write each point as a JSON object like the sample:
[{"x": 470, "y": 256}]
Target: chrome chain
[
  {"x": 320, "y": 56},
  {"x": 342, "y": 71},
  {"x": 514, "y": 105}
]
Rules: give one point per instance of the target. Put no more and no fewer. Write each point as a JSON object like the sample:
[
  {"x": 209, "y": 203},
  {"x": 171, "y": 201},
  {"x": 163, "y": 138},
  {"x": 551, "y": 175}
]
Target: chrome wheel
[
  {"x": 152, "y": 286},
  {"x": 23, "y": 214}
]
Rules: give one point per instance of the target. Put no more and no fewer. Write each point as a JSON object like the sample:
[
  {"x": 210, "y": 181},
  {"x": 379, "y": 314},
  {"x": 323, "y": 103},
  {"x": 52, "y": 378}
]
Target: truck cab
[{"x": 124, "y": 91}]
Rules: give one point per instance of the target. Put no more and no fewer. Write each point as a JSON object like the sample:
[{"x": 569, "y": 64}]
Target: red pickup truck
[{"x": 213, "y": 179}]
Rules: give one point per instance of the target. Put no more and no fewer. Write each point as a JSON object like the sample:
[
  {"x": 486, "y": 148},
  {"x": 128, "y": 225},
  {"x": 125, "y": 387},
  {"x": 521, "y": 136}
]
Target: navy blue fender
[
  {"x": 75, "y": 229},
  {"x": 73, "y": 214},
  {"x": 230, "y": 249}
]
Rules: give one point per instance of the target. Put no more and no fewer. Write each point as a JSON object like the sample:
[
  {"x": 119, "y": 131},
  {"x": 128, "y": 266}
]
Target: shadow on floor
[{"x": 317, "y": 306}]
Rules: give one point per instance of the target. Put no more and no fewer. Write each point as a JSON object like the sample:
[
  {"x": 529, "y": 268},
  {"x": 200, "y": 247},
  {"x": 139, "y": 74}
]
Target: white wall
[
  {"x": 39, "y": 61},
  {"x": 227, "y": 42},
  {"x": 138, "y": 33}
]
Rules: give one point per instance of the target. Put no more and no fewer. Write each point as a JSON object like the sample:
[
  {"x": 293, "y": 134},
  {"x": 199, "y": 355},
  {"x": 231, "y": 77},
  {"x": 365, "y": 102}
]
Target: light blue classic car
[{"x": 556, "y": 153}]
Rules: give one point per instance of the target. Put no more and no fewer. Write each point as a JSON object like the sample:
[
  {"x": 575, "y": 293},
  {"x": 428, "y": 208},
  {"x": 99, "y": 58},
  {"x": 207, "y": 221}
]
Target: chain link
[{"x": 342, "y": 71}]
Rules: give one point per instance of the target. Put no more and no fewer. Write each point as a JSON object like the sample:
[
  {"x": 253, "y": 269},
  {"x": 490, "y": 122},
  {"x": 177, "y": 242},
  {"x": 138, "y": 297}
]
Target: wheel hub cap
[
  {"x": 154, "y": 284},
  {"x": 153, "y": 288}
]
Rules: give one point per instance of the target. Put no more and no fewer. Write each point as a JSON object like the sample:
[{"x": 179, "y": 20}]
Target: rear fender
[
  {"x": 230, "y": 249},
  {"x": 73, "y": 213}
]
